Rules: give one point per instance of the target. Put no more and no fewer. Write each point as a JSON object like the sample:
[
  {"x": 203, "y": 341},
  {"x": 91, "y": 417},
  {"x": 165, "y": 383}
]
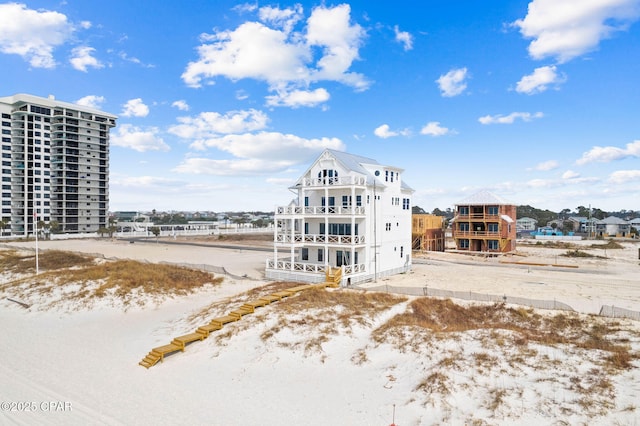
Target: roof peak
[{"x": 484, "y": 197}]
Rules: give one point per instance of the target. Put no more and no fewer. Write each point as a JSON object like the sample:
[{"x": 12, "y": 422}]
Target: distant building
[
  {"x": 613, "y": 227},
  {"x": 55, "y": 165},
  {"x": 427, "y": 232},
  {"x": 350, "y": 212},
  {"x": 526, "y": 224},
  {"x": 485, "y": 222},
  {"x": 583, "y": 224}
]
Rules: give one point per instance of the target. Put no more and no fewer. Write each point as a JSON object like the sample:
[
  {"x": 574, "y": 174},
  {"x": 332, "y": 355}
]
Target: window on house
[
  {"x": 332, "y": 201},
  {"x": 492, "y": 227},
  {"x": 320, "y": 255},
  {"x": 464, "y": 227},
  {"x": 358, "y": 200},
  {"x": 306, "y": 201},
  {"x": 386, "y": 175},
  {"x": 341, "y": 229},
  {"x": 492, "y": 244},
  {"x": 329, "y": 176},
  {"x": 463, "y": 210},
  {"x": 463, "y": 243},
  {"x": 492, "y": 210}
]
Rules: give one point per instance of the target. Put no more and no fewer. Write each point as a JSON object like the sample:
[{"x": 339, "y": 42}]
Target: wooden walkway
[{"x": 332, "y": 277}]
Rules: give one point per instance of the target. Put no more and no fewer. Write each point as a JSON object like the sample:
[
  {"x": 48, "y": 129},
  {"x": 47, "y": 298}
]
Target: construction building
[
  {"x": 427, "y": 232},
  {"x": 351, "y": 212},
  {"x": 484, "y": 222},
  {"x": 55, "y": 165}
]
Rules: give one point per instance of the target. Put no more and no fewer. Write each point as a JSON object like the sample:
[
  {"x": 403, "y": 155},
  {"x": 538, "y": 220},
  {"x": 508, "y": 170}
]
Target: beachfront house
[
  {"x": 613, "y": 227},
  {"x": 350, "y": 212},
  {"x": 484, "y": 222}
]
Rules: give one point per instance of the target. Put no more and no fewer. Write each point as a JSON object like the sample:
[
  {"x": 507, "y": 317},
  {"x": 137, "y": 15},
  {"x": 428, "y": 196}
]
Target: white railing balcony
[
  {"x": 314, "y": 268},
  {"x": 319, "y": 239},
  {"x": 335, "y": 181},
  {"x": 320, "y": 210}
]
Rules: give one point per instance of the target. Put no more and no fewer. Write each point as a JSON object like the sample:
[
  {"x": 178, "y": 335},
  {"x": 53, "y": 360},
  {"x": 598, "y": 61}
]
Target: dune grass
[{"x": 75, "y": 277}]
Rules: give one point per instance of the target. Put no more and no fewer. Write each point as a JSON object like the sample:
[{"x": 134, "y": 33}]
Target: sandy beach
[{"x": 71, "y": 366}]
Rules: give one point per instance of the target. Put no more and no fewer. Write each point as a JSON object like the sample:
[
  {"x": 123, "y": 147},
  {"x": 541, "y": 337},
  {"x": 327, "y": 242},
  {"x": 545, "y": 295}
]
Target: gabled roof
[
  {"x": 612, "y": 220},
  {"x": 354, "y": 163},
  {"x": 484, "y": 198}
]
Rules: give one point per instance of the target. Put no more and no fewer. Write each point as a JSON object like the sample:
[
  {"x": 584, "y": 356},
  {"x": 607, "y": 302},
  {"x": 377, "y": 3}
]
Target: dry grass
[
  {"x": 50, "y": 260},
  {"x": 313, "y": 316},
  {"x": 610, "y": 244},
  {"x": 579, "y": 253},
  {"x": 73, "y": 277},
  {"x": 444, "y": 316}
]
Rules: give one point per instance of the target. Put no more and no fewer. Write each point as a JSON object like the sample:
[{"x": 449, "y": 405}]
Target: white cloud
[
  {"x": 434, "y": 128},
  {"x": 147, "y": 182},
  {"x": 281, "y": 18},
  {"x": 298, "y": 98},
  {"x": 453, "y": 83},
  {"x": 279, "y": 147},
  {"x": 135, "y": 108},
  {"x": 404, "y": 38},
  {"x": 81, "y": 58},
  {"x": 570, "y": 28},
  {"x": 556, "y": 183},
  {"x": 181, "y": 104},
  {"x": 546, "y": 166},
  {"x": 236, "y": 167},
  {"x": 623, "y": 176},
  {"x": 509, "y": 119},
  {"x": 607, "y": 154},
  {"x": 385, "y": 132},
  {"x": 284, "y": 59},
  {"x": 542, "y": 183},
  {"x": 255, "y": 153},
  {"x": 141, "y": 140},
  {"x": 134, "y": 60},
  {"x": 212, "y": 124},
  {"x": 570, "y": 174},
  {"x": 32, "y": 34},
  {"x": 539, "y": 80},
  {"x": 91, "y": 101}
]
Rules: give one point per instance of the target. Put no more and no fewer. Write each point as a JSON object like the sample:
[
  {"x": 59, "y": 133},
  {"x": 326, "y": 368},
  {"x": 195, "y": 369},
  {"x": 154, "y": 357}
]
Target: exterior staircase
[{"x": 333, "y": 276}]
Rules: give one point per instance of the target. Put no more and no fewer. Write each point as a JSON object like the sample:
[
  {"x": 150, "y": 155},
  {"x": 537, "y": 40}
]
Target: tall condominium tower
[{"x": 55, "y": 166}]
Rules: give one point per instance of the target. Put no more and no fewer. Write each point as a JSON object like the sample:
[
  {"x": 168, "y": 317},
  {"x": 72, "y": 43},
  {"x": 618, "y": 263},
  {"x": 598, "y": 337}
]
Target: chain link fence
[
  {"x": 615, "y": 312},
  {"x": 606, "y": 310}
]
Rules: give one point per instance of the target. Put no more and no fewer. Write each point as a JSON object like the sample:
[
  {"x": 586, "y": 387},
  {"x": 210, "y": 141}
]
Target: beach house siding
[
  {"x": 485, "y": 222},
  {"x": 350, "y": 212}
]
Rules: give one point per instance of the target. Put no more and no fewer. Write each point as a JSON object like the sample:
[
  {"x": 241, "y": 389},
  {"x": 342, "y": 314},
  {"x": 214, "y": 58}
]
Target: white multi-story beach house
[{"x": 350, "y": 212}]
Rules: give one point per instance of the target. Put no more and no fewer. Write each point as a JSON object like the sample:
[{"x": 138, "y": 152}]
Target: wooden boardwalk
[{"x": 332, "y": 277}]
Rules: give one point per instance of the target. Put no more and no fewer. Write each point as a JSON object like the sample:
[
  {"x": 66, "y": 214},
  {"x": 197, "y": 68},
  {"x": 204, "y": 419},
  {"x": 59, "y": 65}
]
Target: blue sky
[{"x": 222, "y": 105}]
